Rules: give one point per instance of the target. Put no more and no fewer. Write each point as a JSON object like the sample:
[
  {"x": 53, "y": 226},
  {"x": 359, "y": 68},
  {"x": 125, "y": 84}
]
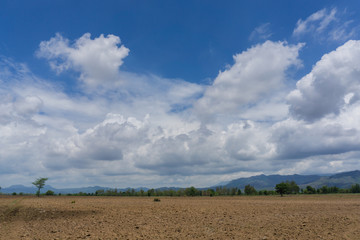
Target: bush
[
  {"x": 50, "y": 193},
  {"x": 156, "y": 200}
]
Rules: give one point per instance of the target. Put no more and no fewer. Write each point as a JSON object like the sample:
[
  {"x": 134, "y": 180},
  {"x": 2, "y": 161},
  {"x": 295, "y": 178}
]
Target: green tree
[
  {"x": 282, "y": 188},
  {"x": 151, "y": 192},
  {"x": 334, "y": 189},
  {"x": 39, "y": 183},
  {"x": 210, "y": 192},
  {"x": 355, "y": 188},
  {"x": 324, "y": 190},
  {"x": 49, "y": 193},
  {"x": 191, "y": 191},
  {"x": 100, "y": 192},
  {"x": 250, "y": 190},
  {"x": 142, "y": 193},
  {"x": 310, "y": 190},
  {"x": 293, "y": 188}
]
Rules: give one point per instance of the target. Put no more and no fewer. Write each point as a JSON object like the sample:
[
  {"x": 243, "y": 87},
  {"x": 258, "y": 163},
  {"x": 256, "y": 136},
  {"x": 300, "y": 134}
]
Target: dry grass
[{"x": 259, "y": 217}]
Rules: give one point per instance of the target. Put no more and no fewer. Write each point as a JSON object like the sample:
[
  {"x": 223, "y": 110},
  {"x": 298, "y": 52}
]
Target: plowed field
[{"x": 258, "y": 217}]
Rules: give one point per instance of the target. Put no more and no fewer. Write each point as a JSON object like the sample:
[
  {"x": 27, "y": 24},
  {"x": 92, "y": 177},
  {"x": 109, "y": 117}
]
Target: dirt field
[{"x": 258, "y": 217}]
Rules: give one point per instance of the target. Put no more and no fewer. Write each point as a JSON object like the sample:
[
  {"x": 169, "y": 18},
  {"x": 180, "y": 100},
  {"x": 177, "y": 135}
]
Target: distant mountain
[
  {"x": 168, "y": 188},
  {"x": 18, "y": 189},
  {"x": 262, "y": 182},
  {"x": 220, "y": 184},
  {"x": 32, "y": 190},
  {"x": 77, "y": 190},
  {"x": 340, "y": 180}
]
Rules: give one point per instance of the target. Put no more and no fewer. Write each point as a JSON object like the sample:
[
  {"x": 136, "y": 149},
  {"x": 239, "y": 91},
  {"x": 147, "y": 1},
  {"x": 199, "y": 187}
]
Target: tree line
[
  {"x": 280, "y": 189},
  {"x": 288, "y": 187}
]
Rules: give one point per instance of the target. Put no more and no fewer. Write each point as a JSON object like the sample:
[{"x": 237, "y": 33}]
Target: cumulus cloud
[
  {"x": 154, "y": 131},
  {"x": 296, "y": 140},
  {"x": 332, "y": 84},
  {"x": 257, "y": 73},
  {"x": 80, "y": 135},
  {"x": 98, "y": 60}
]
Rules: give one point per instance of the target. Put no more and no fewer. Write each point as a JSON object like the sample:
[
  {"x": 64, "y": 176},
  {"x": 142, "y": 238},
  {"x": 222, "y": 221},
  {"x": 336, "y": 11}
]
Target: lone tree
[
  {"x": 282, "y": 188},
  {"x": 39, "y": 183}
]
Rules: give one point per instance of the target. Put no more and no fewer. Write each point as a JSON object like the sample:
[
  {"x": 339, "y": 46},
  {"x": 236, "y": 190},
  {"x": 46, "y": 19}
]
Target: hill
[
  {"x": 262, "y": 182},
  {"x": 340, "y": 180}
]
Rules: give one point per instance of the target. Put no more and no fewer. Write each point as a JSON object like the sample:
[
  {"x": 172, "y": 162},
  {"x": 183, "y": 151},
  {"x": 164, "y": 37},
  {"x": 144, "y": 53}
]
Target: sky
[{"x": 177, "y": 93}]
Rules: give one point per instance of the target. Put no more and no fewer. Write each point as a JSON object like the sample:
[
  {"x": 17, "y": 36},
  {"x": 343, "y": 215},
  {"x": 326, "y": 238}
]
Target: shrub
[
  {"x": 50, "y": 193},
  {"x": 156, "y": 200}
]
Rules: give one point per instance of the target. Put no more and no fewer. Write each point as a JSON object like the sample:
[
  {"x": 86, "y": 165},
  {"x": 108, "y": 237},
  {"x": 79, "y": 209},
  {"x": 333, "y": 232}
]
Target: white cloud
[
  {"x": 76, "y": 134},
  {"x": 98, "y": 60},
  {"x": 256, "y": 74},
  {"x": 324, "y": 90},
  {"x": 147, "y": 131},
  {"x": 316, "y": 22},
  {"x": 261, "y": 32},
  {"x": 327, "y": 24},
  {"x": 297, "y": 140}
]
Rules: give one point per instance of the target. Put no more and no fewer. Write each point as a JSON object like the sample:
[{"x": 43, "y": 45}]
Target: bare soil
[{"x": 258, "y": 217}]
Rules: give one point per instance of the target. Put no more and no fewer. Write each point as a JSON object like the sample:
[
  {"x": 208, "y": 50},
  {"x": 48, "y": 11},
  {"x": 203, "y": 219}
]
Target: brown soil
[{"x": 260, "y": 217}]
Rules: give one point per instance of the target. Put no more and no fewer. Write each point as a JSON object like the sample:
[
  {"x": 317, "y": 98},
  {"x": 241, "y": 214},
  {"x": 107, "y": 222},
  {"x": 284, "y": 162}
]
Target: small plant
[
  {"x": 156, "y": 200},
  {"x": 73, "y": 202}
]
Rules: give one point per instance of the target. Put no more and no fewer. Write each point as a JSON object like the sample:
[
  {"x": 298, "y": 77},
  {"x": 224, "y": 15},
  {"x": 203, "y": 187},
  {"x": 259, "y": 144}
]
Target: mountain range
[{"x": 260, "y": 182}]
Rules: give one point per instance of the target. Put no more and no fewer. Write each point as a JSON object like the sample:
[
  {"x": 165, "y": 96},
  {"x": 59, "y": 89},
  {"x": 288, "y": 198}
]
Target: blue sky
[{"x": 160, "y": 93}]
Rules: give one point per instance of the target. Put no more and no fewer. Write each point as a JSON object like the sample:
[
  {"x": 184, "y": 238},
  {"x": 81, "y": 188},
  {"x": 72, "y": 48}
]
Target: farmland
[{"x": 244, "y": 217}]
